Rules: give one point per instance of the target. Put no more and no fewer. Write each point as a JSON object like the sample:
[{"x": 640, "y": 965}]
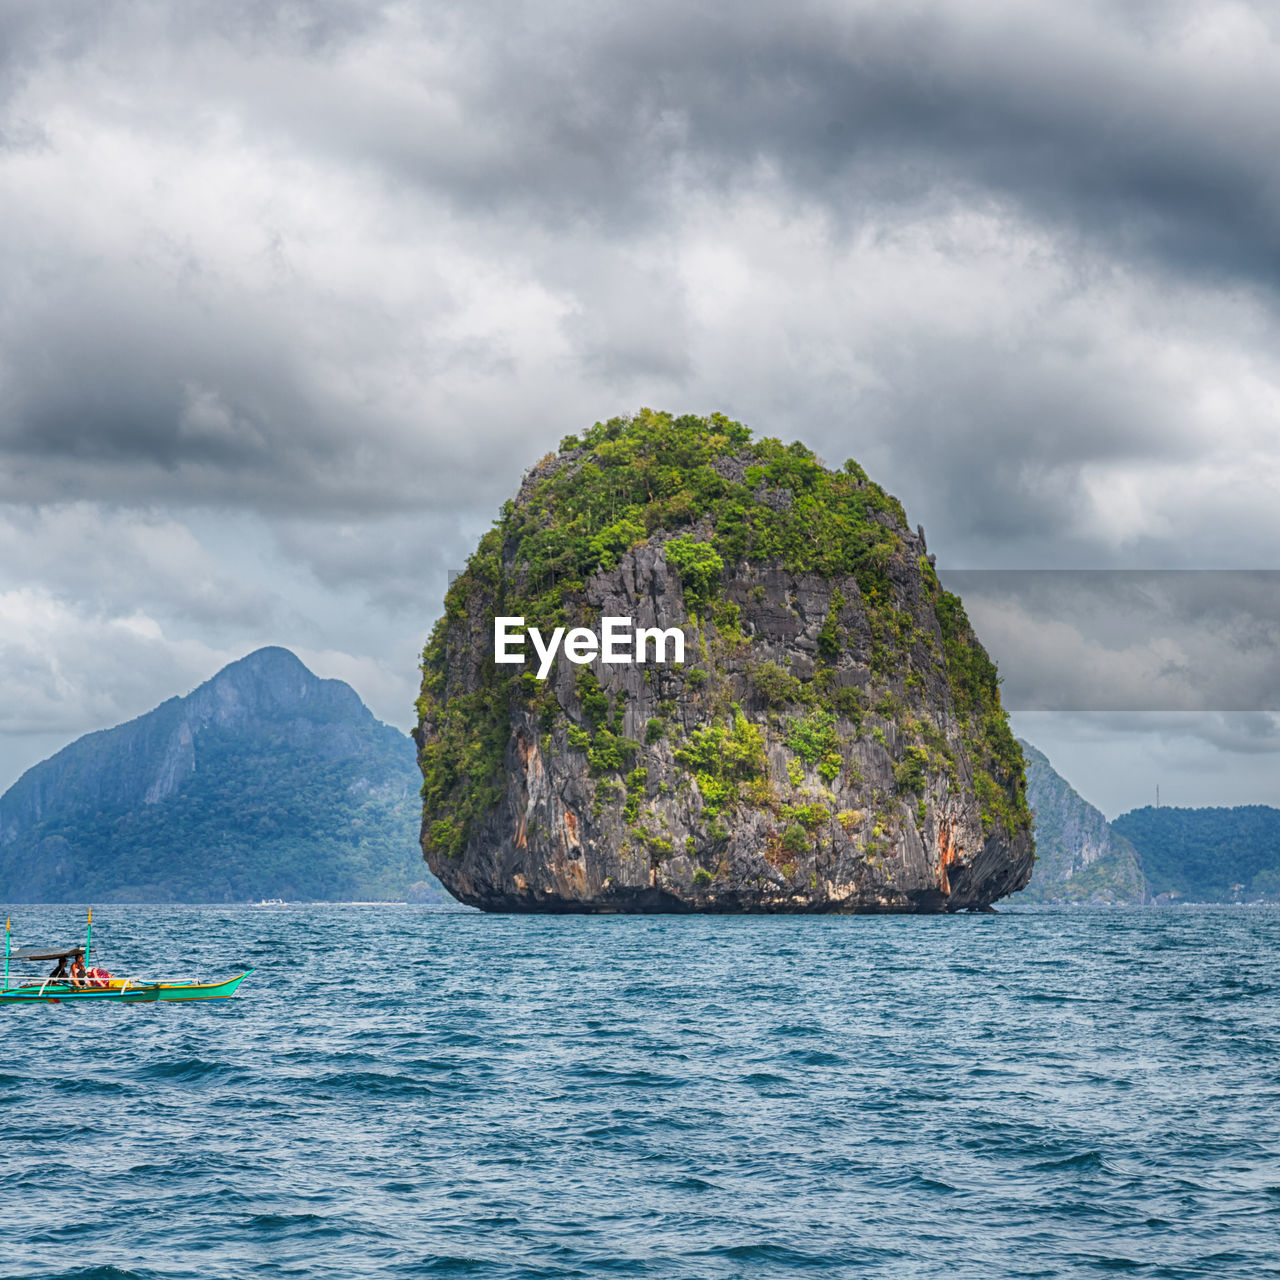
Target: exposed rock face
[
  {"x": 1079, "y": 856},
  {"x": 833, "y": 741}
]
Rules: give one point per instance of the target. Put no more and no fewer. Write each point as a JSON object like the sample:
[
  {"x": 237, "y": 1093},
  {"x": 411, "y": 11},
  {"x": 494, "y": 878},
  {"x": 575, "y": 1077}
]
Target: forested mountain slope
[{"x": 265, "y": 782}]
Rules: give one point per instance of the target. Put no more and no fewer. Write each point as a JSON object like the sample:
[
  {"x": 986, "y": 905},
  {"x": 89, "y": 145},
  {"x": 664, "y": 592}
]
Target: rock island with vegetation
[{"x": 833, "y": 741}]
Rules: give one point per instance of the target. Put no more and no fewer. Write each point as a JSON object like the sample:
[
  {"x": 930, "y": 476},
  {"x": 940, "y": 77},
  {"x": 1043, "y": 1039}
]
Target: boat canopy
[{"x": 49, "y": 953}]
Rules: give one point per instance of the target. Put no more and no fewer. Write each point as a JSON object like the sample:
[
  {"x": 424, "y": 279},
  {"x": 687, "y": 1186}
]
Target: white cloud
[
  {"x": 116, "y": 562},
  {"x": 63, "y": 668}
]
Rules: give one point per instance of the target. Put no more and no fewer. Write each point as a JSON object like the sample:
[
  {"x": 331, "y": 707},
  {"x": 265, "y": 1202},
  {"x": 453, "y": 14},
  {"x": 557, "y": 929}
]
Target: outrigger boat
[{"x": 98, "y": 984}]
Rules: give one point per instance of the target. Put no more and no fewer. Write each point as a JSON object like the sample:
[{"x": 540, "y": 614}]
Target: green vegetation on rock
[
  {"x": 715, "y": 498},
  {"x": 722, "y": 758},
  {"x": 727, "y": 527}
]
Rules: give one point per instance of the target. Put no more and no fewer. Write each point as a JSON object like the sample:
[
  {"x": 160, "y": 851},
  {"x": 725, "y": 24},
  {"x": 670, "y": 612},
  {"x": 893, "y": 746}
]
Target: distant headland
[{"x": 265, "y": 782}]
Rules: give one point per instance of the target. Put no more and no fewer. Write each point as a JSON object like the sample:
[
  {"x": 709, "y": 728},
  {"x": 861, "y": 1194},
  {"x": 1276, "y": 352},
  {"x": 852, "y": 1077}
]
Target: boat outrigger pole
[
  {"x": 6, "y": 955},
  {"x": 88, "y": 933}
]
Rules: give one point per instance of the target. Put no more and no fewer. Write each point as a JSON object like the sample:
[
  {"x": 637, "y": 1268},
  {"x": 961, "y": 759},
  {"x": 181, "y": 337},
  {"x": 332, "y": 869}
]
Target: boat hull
[{"x": 122, "y": 992}]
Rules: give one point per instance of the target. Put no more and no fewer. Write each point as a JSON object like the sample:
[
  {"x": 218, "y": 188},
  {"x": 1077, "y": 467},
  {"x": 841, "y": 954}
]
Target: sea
[{"x": 406, "y": 1091}]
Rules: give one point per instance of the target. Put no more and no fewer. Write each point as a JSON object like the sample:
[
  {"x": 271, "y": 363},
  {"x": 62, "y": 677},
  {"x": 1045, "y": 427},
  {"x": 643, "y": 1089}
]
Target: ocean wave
[{"x": 1071, "y": 1093}]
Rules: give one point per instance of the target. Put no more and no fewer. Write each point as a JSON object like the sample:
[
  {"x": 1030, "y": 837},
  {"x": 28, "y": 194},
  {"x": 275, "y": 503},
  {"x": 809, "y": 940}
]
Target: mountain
[
  {"x": 833, "y": 739},
  {"x": 1149, "y": 854},
  {"x": 265, "y": 782},
  {"x": 1079, "y": 856},
  {"x": 1207, "y": 855}
]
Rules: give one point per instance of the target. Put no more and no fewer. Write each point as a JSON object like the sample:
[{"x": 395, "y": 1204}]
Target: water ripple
[{"x": 404, "y": 1092}]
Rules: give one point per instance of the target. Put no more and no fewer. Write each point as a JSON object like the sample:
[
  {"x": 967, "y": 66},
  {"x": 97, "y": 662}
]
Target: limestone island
[{"x": 833, "y": 740}]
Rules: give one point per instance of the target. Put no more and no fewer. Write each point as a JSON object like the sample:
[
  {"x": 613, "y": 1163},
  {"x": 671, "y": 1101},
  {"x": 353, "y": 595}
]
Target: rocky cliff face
[
  {"x": 1079, "y": 856},
  {"x": 832, "y": 742}
]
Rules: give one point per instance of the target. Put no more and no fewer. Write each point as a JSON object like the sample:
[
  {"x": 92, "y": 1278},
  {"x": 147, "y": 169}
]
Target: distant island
[
  {"x": 1207, "y": 855},
  {"x": 815, "y": 727},
  {"x": 1150, "y": 855},
  {"x": 266, "y": 782}
]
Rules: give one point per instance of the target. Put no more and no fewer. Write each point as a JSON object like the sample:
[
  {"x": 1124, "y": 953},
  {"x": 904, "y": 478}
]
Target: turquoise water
[{"x": 416, "y": 1092}]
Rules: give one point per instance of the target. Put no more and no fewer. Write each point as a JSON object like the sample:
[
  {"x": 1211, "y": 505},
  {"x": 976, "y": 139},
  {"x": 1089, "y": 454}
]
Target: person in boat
[
  {"x": 77, "y": 974},
  {"x": 61, "y": 970}
]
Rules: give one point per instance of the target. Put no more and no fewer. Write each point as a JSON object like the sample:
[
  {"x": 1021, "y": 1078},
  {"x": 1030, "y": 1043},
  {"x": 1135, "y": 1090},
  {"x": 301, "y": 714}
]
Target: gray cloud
[
  {"x": 398, "y": 565},
  {"x": 1148, "y": 129},
  {"x": 114, "y": 564},
  {"x": 239, "y": 328},
  {"x": 1135, "y": 640},
  {"x": 295, "y": 293}
]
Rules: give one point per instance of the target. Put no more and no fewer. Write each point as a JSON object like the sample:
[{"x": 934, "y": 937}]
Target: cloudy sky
[{"x": 293, "y": 294}]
